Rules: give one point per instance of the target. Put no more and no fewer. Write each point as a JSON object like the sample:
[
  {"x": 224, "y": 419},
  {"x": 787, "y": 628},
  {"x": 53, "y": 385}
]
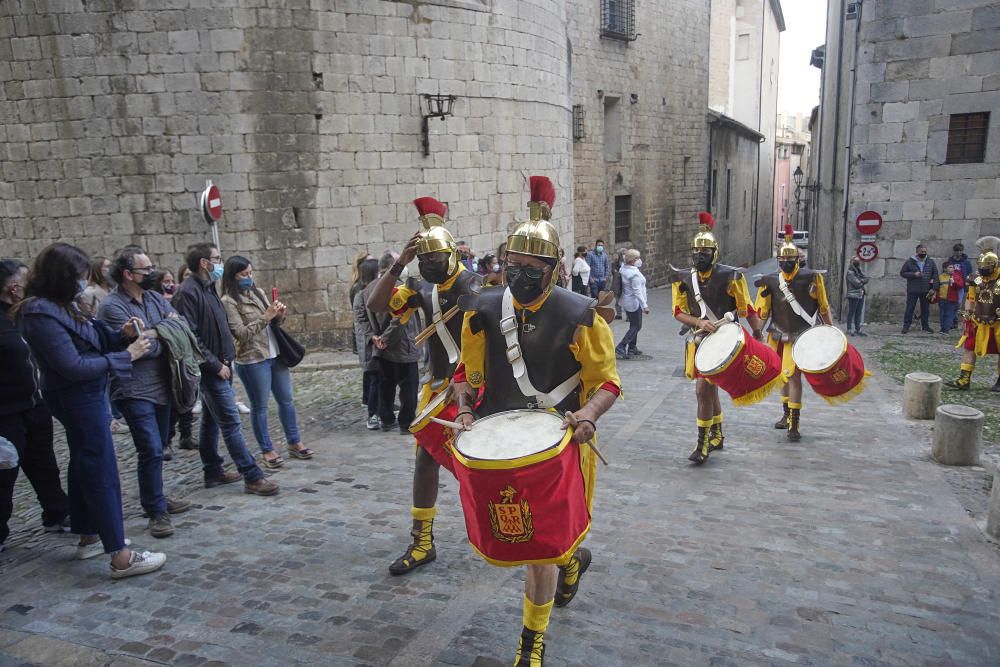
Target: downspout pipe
[{"x": 847, "y": 157}]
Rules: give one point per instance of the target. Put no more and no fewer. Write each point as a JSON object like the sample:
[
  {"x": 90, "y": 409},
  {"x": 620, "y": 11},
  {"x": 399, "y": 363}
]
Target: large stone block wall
[
  {"x": 918, "y": 63},
  {"x": 664, "y": 132},
  {"x": 306, "y": 114}
]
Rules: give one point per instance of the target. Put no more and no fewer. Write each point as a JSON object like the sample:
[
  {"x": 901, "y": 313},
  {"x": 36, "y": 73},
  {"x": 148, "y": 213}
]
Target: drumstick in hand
[
  {"x": 422, "y": 337},
  {"x": 571, "y": 420},
  {"x": 454, "y": 425}
]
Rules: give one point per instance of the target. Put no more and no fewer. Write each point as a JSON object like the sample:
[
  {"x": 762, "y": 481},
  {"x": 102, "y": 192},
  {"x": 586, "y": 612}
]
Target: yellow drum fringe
[
  {"x": 848, "y": 395},
  {"x": 758, "y": 395}
]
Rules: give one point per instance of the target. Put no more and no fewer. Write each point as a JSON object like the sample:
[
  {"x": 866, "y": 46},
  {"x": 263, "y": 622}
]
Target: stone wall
[
  {"x": 734, "y": 160},
  {"x": 306, "y": 114},
  {"x": 664, "y": 136}
]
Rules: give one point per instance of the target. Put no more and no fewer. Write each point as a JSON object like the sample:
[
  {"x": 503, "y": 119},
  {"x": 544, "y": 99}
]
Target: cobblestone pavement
[{"x": 847, "y": 548}]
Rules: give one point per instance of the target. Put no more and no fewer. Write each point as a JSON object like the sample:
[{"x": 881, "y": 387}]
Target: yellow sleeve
[
  {"x": 398, "y": 303},
  {"x": 970, "y": 293},
  {"x": 762, "y": 304},
  {"x": 594, "y": 350},
  {"x": 820, "y": 293},
  {"x": 680, "y": 299},
  {"x": 473, "y": 356},
  {"x": 738, "y": 290}
]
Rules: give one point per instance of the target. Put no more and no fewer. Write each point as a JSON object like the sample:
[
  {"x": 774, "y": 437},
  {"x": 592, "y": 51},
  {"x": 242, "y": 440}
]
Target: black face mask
[
  {"x": 525, "y": 282},
  {"x": 702, "y": 262},
  {"x": 986, "y": 272},
  {"x": 148, "y": 283},
  {"x": 788, "y": 266},
  {"x": 434, "y": 272},
  {"x": 922, "y": 255}
]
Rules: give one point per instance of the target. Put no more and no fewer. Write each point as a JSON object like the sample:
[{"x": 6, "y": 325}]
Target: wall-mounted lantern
[{"x": 434, "y": 106}]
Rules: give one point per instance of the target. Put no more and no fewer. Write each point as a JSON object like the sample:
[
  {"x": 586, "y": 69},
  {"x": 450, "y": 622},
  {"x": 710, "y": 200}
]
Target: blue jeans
[
  {"x": 95, "y": 495},
  {"x": 948, "y": 312},
  {"x": 150, "y": 427},
  {"x": 220, "y": 413},
  {"x": 597, "y": 286},
  {"x": 260, "y": 379},
  {"x": 854, "y": 312}
]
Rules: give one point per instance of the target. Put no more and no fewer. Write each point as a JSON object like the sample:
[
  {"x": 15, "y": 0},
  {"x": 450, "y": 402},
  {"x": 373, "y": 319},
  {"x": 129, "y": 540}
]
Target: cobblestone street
[{"x": 848, "y": 548}]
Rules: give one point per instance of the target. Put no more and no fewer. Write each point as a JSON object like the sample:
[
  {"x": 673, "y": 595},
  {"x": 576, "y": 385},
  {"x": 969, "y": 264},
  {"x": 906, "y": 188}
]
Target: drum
[
  {"x": 745, "y": 368},
  {"x": 433, "y": 437},
  {"x": 522, "y": 489},
  {"x": 831, "y": 365}
]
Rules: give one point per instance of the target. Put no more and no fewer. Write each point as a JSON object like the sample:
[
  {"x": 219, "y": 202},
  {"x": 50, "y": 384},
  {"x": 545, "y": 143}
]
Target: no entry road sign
[
  {"x": 211, "y": 203},
  {"x": 868, "y": 222}
]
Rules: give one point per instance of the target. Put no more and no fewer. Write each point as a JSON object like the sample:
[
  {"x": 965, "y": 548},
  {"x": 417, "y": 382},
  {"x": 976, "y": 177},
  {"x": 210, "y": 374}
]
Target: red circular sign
[
  {"x": 211, "y": 203},
  {"x": 867, "y": 251},
  {"x": 868, "y": 222}
]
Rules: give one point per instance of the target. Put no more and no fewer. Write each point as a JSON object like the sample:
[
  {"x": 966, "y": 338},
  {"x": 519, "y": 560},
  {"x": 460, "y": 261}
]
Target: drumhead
[
  {"x": 511, "y": 435},
  {"x": 716, "y": 349},
  {"x": 819, "y": 348}
]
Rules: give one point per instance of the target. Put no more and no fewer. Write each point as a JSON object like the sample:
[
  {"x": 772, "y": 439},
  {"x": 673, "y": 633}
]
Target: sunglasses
[{"x": 531, "y": 272}]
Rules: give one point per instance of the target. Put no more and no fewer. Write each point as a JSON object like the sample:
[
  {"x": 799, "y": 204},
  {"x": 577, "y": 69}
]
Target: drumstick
[
  {"x": 571, "y": 420},
  {"x": 454, "y": 425},
  {"x": 422, "y": 337}
]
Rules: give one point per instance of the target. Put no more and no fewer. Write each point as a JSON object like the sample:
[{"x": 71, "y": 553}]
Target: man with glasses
[
  {"x": 144, "y": 398},
  {"x": 198, "y": 301}
]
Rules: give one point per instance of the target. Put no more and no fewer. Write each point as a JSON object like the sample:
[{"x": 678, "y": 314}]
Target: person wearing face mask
[
  {"x": 981, "y": 314},
  {"x": 795, "y": 299},
  {"x": 964, "y": 266},
  {"x": 250, "y": 313},
  {"x": 600, "y": 268},
  {"x": 581, "y": 272},
  {"x": 856, "y": 281},
  {"x": 144, "y": 398},
  {"x": 75, "y": 354},
  {"x": 703, "y": 295},
  {"x": 921, "y": 276},
  {"x": 557, "y": 334},
  {"x": 634, "y": 302},
  {"x": 24, "y": 419},
  {"x": 198, "y": 301},
  {"x": 444, "y": 280}
]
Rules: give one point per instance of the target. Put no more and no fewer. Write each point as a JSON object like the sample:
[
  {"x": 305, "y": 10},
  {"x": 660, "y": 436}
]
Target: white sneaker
[
  {"x": 140, "y": 563},
  {"x": 118, "y": 427},
  {"x": 93, "y": 550},
  {"x": 242, "y": 407},
  {"x": 197, "y": 408},
  {"x": 374, "y": 423}
]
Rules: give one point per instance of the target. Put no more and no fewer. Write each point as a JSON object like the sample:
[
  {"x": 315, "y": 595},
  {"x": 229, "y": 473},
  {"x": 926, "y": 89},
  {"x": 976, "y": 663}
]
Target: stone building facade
[
  {"x": 639, "y": 162},
  {"x": 306, "y": 114},
  {"x": 920, "y": 123}
]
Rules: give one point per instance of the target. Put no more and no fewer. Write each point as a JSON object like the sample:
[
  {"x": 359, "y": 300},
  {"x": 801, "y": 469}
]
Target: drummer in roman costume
[
  {"x": 794, "y": 298},
  {"x": 982, "y": 314},
  {"x": 532, "y": 344},
  {"x": 445, "y": 279},
  {"x": 702, "y": 296}
]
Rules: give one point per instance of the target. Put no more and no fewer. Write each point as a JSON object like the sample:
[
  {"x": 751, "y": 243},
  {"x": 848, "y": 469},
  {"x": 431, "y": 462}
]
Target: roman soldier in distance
[{"x": 981, "y": 314}]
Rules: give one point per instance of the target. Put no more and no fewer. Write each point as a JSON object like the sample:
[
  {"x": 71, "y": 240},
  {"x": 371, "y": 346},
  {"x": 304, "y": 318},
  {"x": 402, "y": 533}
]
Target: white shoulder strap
[
  {"x": 508, "y": 327},
  {"x": 442, "y": 331},
  {"x": 706, "y": 312},
  {"x": 796, "y": 306}
]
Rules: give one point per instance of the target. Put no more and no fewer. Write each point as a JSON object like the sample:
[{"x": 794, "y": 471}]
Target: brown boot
[
  {"x": 224, "y": 478},
  {"x": 261, "y": 487},
  {"x": 782, "y": 423},
  {"x": 793, "y": 424},
  {"x": 703, "y": 448}
]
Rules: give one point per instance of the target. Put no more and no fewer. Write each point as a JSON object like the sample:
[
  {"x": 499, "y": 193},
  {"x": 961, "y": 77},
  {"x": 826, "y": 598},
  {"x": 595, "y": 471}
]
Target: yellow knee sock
[
  {"x": 536, "y": 616},
  {"x": 784, "y": 399},
  {"x": 717, "y": 419},
  {"x": 967, "y": 367},
  {"x": 704, "y": 423},
  {"x": 794, "y": 406}
]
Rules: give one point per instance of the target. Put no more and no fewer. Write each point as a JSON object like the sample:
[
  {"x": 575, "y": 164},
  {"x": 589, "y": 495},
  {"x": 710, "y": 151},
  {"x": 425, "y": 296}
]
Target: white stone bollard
[
  {"x": 958, "y": 433},
  {"x": 993, "y": 515},
  {"x": 921, "y": 395}
]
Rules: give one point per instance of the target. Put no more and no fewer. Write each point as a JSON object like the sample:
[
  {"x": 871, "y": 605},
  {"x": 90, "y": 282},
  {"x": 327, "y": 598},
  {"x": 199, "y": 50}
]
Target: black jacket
[
  {"x": 19, "y": 385},
  {"x": 917, "y": 282},
  {"x": 197, "y": 300}
]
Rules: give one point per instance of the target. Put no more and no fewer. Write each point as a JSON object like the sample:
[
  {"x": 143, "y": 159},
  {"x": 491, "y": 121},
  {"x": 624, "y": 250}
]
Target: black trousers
[
  {"x": 630, "y": 340},
  {"x": 31, "y": 433},
  {"x": 184, "y": 420},
  {"x": 405, "y": 377},
  {"x": 925, "y": 310}
]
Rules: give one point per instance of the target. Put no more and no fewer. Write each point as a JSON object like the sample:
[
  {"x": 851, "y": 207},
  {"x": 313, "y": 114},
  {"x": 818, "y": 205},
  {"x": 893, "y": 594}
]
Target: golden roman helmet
[
  {"x": 537, "y": 236},
  {"x": 788, "y": 250},
  {"x": 989, "y": 254},
  {"x": 705, "y": 238},
  {"x": 436, "y": 238}
]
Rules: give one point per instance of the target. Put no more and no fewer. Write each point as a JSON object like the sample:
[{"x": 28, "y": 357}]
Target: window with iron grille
[
  {"x": 578, "y": 128},
  {"x": 623, "y": 218},
  {"x": 967, "y": 137},
  {"x": 618, "y": 19}
]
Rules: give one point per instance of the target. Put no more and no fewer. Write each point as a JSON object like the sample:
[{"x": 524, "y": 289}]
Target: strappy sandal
[
  {"x": 272, "y": 464},
  {"x": 299, "y": 452}
]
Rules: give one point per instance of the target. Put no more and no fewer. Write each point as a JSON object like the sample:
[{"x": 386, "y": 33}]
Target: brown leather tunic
[
  {"x": 987, "y": 305},
  {"x": 468, "y": 282},
  {"x": 715, "y": 291},
  {"x": 784, "y": 321}
]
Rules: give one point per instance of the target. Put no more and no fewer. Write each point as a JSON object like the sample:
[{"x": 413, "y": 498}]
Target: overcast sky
[{"x": 805, "y": 29}]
